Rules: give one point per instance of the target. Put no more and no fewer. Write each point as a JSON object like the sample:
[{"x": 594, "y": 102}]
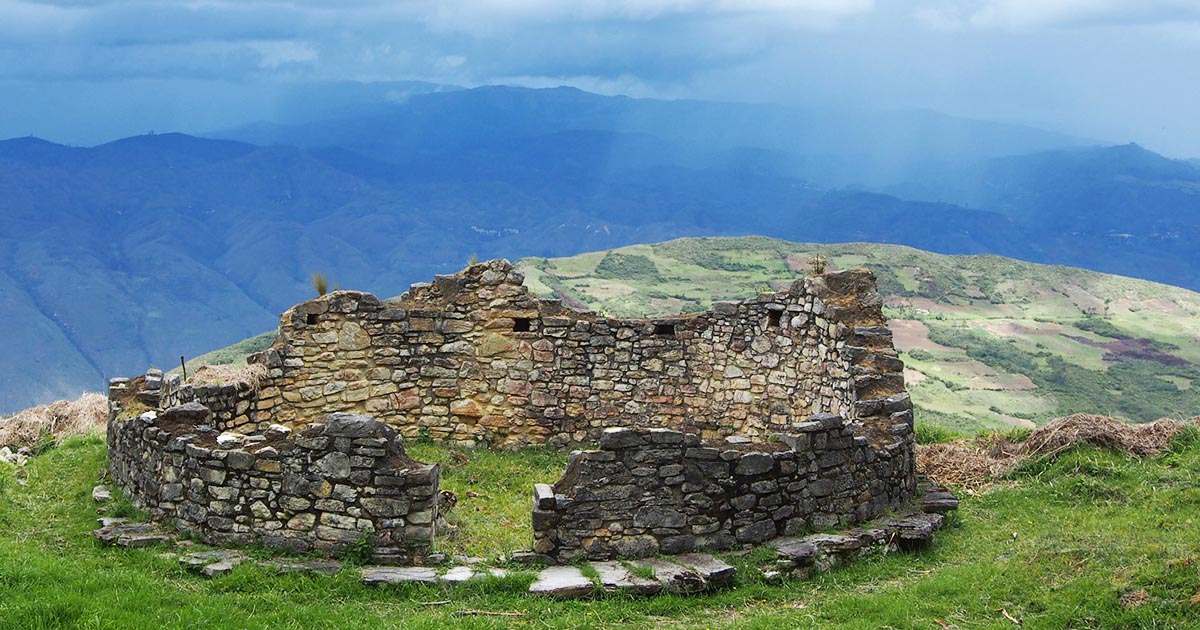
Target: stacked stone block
[
  {"x": 234, "y": 406},
  {"x": 473, "y": 357},
  {"x": 325, "y": 488},
  {"x": 651, "y": 491}
]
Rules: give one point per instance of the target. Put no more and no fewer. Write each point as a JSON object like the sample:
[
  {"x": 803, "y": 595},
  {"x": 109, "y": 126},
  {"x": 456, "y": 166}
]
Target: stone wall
[
  {"x": 324, "y": 488},
  {"x": 474, "y": 357},
  {"x": 234, "y": 406},
  {"x": 650, "y": 491}
]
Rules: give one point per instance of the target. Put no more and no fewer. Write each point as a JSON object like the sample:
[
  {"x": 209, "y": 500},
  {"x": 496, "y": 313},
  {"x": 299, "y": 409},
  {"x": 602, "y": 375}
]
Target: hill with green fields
[{"x": 988, "y": 342}]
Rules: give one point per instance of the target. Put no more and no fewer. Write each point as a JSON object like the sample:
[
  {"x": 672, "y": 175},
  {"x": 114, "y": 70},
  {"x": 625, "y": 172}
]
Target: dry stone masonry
[
  {"x": 326, "y": 488},
  {"x": 779, "y": 415},
  {"x": 651, "y": 491},
  {"x": 474, "y": 357}
]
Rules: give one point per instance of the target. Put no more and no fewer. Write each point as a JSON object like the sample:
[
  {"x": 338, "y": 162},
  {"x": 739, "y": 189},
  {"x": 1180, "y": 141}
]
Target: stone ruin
[{"x": 781, "y": 414}]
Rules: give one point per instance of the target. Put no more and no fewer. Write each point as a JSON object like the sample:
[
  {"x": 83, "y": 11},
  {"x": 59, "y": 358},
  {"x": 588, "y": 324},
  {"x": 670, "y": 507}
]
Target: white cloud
[{"x": 1020, "y": 15}]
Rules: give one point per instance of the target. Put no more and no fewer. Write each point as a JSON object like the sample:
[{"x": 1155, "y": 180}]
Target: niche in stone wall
[
  {"x": 774, "y": 318},
  {"x": 311, "y": 319},
  {"x": 664, "y": 330},
  {"x": 522, "y": 324}
]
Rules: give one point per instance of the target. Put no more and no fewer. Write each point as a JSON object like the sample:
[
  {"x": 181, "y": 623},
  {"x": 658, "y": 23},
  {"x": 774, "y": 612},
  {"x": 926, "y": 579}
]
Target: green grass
[
  {"x": 1057, "y": 549},
  {"x": 1018, "y": 316},
  {"x": 235, "y": 354},
  {"x": 495, "y": 491}
]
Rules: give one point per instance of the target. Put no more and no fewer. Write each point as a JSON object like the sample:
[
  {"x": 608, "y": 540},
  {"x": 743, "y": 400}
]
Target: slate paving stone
[
  {"x": 616, "y": 577},
  {"x": 323, "y": 567},
  {"x": 459, "y": 574},
  {"x": 200, "y": 559},
  {"x": 714, "y": 571},
  {"x": 222, "y": 566},
  {"x": 563, "y": 582},
  {"x": 131, "y": 535},
  {"x": 674, "y": 578},
  {"x": 378, "y": 575}
]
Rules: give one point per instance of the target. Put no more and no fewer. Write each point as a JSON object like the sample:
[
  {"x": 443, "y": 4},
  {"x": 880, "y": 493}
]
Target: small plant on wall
[{"x": 817, "y": 264}]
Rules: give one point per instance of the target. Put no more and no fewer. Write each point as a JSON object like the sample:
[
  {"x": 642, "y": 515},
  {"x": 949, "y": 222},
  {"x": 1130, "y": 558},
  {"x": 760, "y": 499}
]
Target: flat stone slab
[
  {"x": 564, "y": 582},
  {"x": 714, "y": 571},
  {"x": 674, "y": 578},
  {"x": 616, "y": 577},
  {"x": 377, "y": 575},
  {"x": 835, "y": 543},
  {"x": 459, "y": 574},
  {"x": 798, "y": 550},
  {"x": 101, "y": 494},
  {"x": 131, "y": 535},
  {"x": 222, "y": 566},
  {"x": 200, "y": 559},
  {"x": 323, "y": 567}
]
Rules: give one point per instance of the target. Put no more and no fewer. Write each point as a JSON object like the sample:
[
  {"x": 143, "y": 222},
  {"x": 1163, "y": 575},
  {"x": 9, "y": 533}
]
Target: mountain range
[{"x": 135, "y": 252}]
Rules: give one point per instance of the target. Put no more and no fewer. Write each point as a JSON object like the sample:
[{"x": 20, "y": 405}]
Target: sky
[{"x": 88, "y": 71}]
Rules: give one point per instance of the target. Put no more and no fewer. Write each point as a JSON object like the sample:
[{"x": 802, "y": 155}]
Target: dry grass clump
[
  {"x": 251, "y": 373},
  {"x": 971, "y": 465},
  {"x": 974, "y": 465},
  {"x": 60, "y": 419},
  {"x": 1063, "y": 434}
]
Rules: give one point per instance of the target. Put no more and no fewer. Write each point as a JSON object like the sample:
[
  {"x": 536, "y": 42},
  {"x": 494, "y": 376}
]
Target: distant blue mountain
[
  {"x": 831, "y": 147},
  {"x": 138, "y": 251}
]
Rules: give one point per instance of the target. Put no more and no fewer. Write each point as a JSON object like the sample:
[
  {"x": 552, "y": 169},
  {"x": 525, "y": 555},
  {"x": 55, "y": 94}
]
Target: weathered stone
[
  {"x": 101, "y": 494},
  {"x": 614, "y": 577},
  {"x": 350, "y": 425},
  {"x": 455, "y": 575},
  {"x": 334, "y": 465},
  {"x": 565, "y": 582},
  {"x": 714, "y": 571},
  {"x": 674, "y": 578},
  {"x": 754, "y": 464},
  {"x": 379, "y": 575}
]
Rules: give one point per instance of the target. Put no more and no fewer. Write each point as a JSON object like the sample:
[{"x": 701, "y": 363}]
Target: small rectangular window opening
[
  {"x": 311, "y": 319},
  {"x": 521, "y": 324},
  {"x": 773, "y": 318},
  {"x": 664, "y": 330}
]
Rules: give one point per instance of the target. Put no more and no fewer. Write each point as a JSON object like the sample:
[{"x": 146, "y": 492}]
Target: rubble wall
[
  {"x": 474, "y": 357},
  {"x": 651, "y": 491},
  {"x": 325, "y": 488}
]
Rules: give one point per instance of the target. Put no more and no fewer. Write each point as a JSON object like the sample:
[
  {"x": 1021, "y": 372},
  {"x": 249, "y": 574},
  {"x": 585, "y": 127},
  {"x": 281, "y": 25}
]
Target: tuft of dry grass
[
  {"x": 1142, "y": 440},
  {"x": 975, "y": 464},
  {"x": 60, "y": 419},
  {"x": 251, "y": 373}
]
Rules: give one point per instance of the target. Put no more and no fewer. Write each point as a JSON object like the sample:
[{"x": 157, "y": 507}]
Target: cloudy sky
[{"x": 86, "y": 71}]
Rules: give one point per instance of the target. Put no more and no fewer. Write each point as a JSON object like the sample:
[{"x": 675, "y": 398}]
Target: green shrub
[{"x": 935, "y": 434}]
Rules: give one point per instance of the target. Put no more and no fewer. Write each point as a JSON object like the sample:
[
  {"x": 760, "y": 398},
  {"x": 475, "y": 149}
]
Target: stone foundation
[
  {"x": 326, "y": 488},
  {"x": 651, "y": 491}
]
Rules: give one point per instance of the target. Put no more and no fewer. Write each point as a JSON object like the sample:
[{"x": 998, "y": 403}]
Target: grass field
[
  {"x": 1092, "y": 540},
  {"x": 998, "y": 342}
]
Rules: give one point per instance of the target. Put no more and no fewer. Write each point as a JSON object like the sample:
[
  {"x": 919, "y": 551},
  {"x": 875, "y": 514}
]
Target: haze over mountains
[{"x": 138, "y": 251}]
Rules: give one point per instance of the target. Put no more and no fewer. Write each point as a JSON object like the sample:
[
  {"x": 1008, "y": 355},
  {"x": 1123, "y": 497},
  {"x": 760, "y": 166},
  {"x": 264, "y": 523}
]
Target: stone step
[
  {"x": 616, "y": 577},
  {"x": 564, "y": 582},
  {"x": 938, "y": 502},
  {"x": 673, "y": 577}
]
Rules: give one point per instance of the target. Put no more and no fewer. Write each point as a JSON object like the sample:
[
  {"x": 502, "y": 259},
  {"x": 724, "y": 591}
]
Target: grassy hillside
[
  {"x": 1094, "y": 540},
  {"x": 989, "y": 341}
]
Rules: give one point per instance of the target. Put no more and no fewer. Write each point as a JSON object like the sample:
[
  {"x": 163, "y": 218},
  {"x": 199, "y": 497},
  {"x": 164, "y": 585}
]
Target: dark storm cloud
[{"x": 1114, "y": 69}]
